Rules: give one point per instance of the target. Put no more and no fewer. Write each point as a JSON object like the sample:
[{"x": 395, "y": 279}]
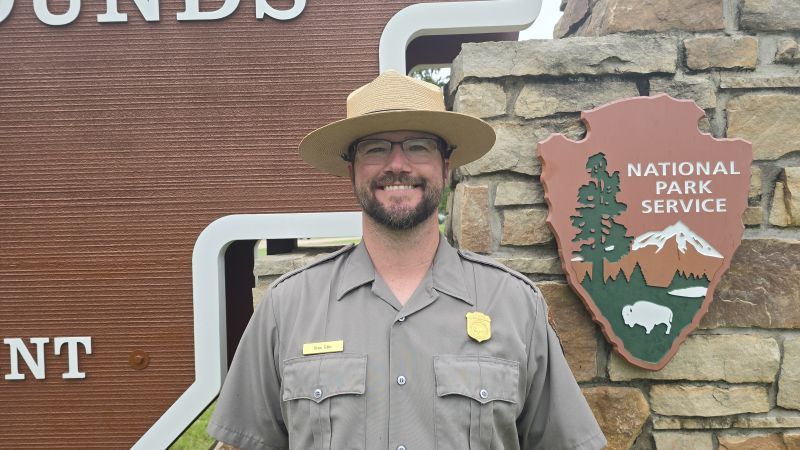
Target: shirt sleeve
[
  {"x": 248, "y": 412},
  {"x": 555, "y": 415}
]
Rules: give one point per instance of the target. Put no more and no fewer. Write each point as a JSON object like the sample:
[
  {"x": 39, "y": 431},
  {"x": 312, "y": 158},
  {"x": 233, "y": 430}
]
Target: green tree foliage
[
  {"x": 437, "y": 76},
  {"x": 601, "y": 237}
]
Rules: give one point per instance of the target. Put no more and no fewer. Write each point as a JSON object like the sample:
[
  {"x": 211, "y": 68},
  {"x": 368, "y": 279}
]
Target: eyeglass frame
[{"x": 444, "y": 148}]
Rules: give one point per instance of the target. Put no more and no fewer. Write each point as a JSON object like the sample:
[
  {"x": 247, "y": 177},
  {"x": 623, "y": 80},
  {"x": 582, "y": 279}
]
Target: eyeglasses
[{"x": 416, "y": 150}]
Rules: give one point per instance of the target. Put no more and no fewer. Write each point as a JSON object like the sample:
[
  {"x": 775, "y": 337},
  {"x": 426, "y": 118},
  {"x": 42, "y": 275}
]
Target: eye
[
  {"x": 421, "y": 145},
  {"x": 373, "y": 147}
]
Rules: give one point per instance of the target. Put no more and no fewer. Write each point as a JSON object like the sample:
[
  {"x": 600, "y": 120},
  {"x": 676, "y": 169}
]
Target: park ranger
[{"x": 401, "y": 342}]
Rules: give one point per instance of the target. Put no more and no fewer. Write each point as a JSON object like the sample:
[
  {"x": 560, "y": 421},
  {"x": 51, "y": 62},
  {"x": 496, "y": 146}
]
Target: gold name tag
[{"x": 315, "y": 348}]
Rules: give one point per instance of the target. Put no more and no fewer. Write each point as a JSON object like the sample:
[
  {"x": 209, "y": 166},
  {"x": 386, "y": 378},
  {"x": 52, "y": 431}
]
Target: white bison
[{"x": 648, "y": 315}]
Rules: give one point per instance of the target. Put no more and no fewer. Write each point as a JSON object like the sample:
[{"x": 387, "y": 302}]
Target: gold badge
[
  {"x": 479, "y": 326},
  {"x": 315, "y": 348}
]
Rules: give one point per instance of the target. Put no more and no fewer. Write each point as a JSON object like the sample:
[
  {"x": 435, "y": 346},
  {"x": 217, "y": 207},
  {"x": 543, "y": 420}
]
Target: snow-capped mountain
[
  {"x": 660, "y": 254},
  {"x": 683, "y": 237}
]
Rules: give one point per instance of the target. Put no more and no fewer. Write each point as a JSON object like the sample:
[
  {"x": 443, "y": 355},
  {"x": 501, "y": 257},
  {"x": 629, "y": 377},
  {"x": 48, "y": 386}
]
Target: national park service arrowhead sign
[{"x": 647, "y": 214}]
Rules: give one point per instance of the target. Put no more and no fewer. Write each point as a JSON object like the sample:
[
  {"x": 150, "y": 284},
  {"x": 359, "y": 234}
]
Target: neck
[{"x": 402, "y": 257}]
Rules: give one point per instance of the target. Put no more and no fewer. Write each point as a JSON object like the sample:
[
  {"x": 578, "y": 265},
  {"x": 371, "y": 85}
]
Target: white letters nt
[{"x": 17, "y": 348}]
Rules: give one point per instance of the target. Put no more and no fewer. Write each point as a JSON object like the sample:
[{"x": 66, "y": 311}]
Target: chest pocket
[
  {"x": 324, "y": 401},
  {"x": 475, "y": 405}
]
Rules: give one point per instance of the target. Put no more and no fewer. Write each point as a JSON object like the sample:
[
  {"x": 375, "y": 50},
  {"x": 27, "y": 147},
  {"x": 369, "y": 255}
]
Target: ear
[
  {"x": 351, "y": 172},
  {"x": 446, "y": 170}
]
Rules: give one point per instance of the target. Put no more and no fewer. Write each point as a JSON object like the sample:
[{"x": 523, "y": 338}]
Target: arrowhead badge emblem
[{"x": 647, "y": 213}]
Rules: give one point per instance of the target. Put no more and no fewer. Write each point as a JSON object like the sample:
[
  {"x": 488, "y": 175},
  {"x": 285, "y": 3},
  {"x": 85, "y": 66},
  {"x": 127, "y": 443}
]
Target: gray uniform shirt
[{"x": 409, "y": 376}]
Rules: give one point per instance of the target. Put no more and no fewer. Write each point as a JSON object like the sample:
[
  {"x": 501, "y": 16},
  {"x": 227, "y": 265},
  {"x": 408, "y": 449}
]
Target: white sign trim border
[{"x": 431, "y": 19}]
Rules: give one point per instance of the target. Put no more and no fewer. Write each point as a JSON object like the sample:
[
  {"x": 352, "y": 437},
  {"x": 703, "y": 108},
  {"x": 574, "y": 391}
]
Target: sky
[{"x": 542, "y": 27}]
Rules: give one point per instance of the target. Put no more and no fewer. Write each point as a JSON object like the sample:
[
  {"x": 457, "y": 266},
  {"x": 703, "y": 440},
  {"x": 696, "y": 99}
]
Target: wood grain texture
[{"x": 119, "y": 144}]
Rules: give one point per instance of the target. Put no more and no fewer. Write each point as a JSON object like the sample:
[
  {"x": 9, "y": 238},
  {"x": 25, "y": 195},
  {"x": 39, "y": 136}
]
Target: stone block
[
  {"x": 547, "y": 265},
  {"x": 752, "y": 215},
  {"x": 721, "y": 52},
  {"x": 755, "y": 184},
  {"x": 788, "y": 52},
  {"x": 526, "y": 226},
  {"x": 791, "y": 193},
  {"x": 480, "y": 99},
  {"x": 621, "y": 413},
  {"x": 774, "y": 419},
  {"x": 623, "y": 16},
  {"x": 770, "y": 15},
  {"x": 692, "y": 423},
  {"x": 789, "y": 380},
  {"x": 608, "y": 55},
  {"x": 574, "y": 327},
  {"x": 280, "y": 264},
  {"x": 471, "y": 225},
  {"x": 574, "y": 12},
  {"x": 666, "y": 423},
  {"x": 514, "y": 150},
  {"x": 707, "y": 401},
  {"x": 518, "y": 193},
  {"x": 699, "y": 89},
  {"x": 769, "y": 121},
  {"x": 785, "y": 211},
  {"x": 682, "y": 440},
  {"x": 735, "y": 358},
  {"x": 761, "y": 289},
  {"x": 545, "y": 99},
  {"x": 758, "y": 81},
  {"x": 792, "y": 440},
  {"x": 779, "y": 212},
  {"x": 751, "y": 442},
  {"x": 515, "y": 147}
]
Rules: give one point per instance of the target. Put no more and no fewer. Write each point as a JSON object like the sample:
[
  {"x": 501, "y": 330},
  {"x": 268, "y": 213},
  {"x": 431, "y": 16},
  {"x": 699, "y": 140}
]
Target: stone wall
[{"x": 735, "y": 383}]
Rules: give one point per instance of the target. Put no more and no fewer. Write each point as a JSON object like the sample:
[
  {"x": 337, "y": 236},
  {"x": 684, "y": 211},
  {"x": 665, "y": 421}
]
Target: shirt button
[
  {"x": 402, "y": 319},
  {"x": 401, "y": 380},
  {"x": 484, "y": 394},
  {"x": 317, "y": 393},
  {"x": 401, "y": 447}
]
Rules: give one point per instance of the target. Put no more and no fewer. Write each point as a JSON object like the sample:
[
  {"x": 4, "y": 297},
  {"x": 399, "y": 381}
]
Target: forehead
[{"x": 399, "y": 135}]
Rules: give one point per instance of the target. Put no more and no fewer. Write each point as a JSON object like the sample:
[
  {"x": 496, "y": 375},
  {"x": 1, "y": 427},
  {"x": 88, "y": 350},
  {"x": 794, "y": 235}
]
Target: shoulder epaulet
[
  {"x": 316, "y": 262},
  {"x": 486, "y": 261}
]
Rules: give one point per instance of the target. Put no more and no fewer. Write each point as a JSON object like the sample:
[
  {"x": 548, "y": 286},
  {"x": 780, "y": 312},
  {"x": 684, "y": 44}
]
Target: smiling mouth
[{"x": 398, "y": 187}]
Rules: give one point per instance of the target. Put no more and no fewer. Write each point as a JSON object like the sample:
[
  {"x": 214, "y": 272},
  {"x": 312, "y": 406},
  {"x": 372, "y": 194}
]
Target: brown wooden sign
[
  {"x": 647, "y": 214},
  {"x": 126, "y": 128}
]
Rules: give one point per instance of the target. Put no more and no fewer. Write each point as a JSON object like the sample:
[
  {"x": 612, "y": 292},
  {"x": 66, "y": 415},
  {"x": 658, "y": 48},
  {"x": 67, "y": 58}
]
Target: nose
[{"x": 397, "y": 161}]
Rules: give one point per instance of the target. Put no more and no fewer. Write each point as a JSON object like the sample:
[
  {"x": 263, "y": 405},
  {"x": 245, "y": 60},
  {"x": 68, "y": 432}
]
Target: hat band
[{"x": 389, "y": 110}]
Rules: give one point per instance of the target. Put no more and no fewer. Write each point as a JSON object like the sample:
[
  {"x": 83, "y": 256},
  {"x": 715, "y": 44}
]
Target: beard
[{"x": 399, "y": 218}]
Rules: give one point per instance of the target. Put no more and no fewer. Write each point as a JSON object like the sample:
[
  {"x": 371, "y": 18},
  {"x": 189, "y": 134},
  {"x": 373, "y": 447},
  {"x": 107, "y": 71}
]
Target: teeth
[{"x": 397, "y": 188}]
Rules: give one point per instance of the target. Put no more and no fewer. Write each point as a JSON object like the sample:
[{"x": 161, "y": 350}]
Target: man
[{"x": 401, "y": 342}]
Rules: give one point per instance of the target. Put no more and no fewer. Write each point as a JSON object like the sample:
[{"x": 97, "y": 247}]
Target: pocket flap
[
  {"x": 317, "y": 378},
  {"x": 481, "y": 378}
]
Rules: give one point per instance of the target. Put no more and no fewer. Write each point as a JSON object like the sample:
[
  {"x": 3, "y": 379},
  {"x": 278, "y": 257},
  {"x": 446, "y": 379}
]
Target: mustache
[{"x": 390, "y": 178}]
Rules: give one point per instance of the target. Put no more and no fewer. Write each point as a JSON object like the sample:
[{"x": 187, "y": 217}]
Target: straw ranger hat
[{"x": 396, "y": 102}]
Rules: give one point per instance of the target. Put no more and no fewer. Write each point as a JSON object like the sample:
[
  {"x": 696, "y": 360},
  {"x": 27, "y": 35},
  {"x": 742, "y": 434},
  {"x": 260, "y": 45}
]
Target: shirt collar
[
  {"x": 447, "y": 272},
  {"x": 357, "y": 270}
]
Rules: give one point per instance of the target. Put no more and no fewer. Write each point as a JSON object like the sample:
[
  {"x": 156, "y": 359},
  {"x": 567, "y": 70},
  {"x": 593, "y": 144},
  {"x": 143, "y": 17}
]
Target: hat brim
[{"x": 323, "y": 148}]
